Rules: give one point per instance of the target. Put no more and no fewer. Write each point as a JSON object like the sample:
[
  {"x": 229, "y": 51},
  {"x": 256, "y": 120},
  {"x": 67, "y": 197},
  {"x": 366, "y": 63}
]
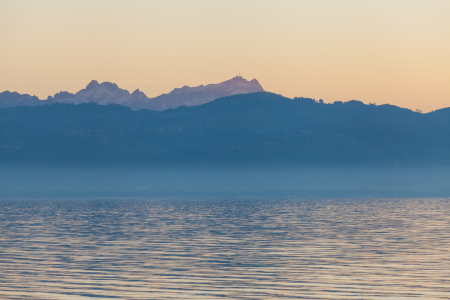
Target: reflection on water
[{"x": 211, "y": 249}]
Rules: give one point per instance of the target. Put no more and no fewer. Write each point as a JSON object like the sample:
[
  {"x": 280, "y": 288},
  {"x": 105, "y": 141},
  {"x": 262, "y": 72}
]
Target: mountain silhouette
[
  {"x": 109, "y": 93},
  {"x": 103, "y": 94},
  {"x": 192, "y": 96},
  {"x": 256, "y": 129},
  {"x": 11, "y": 99}
]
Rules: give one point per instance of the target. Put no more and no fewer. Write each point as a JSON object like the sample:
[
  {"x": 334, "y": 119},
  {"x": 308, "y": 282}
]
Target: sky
[{"x": 395, "y": 51}]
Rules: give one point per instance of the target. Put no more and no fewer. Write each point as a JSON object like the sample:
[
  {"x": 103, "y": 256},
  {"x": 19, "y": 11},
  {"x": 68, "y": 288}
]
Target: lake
[{"x": 216, "y": 249}]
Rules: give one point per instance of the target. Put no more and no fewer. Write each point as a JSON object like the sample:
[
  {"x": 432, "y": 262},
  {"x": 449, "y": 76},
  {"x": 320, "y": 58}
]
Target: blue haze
[{"x": 253, "y": 145}]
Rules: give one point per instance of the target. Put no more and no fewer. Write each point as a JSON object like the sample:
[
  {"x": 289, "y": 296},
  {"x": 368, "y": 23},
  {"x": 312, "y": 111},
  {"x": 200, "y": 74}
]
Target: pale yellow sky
[{"x": 395, "y": 52}]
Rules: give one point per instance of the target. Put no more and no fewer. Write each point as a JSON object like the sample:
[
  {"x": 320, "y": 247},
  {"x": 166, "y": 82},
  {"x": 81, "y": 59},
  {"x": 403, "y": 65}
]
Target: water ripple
[{"x": 239, "y": 249}]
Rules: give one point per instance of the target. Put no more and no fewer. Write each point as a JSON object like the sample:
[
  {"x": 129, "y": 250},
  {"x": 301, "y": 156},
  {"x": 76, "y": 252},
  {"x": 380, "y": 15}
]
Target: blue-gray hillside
[{"x": 251, "y": 129}]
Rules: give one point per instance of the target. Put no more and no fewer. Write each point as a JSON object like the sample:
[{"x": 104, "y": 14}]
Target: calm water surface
[{"x": 215, "y": 249}]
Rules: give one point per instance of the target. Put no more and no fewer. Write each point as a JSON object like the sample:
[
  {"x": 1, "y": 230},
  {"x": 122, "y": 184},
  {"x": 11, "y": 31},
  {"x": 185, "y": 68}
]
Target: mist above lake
[{"x": 192, "y": 182}]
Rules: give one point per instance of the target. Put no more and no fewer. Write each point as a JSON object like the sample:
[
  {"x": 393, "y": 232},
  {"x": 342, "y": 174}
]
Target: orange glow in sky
[{"x": 395, "y": 51}]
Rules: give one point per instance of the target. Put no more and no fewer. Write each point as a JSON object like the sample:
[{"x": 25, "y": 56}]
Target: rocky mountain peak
[
  {"x": 110, "y": 86},
  {"x": 109, "y": 93},
  {"x": 92, "y": 84},
  {"x": 138, "y": 94}
]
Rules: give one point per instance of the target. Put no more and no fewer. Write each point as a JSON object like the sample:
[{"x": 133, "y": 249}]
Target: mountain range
[
  {"x": 249, "y": 129},
  {"x": 109, "y": 93},
  {"x": 245, "y": 144}
]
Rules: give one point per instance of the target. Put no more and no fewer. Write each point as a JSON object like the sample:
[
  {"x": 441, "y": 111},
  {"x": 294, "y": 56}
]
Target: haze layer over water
[{"x": 211, "y": 249}]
